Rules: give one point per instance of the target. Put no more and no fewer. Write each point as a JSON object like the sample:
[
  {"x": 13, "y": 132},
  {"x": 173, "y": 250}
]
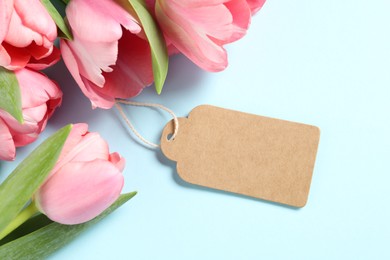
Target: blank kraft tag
[{"x": 257, "y": 156}]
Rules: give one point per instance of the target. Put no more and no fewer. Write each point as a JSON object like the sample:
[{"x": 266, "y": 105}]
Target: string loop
[{"x": 144, "y": 104}]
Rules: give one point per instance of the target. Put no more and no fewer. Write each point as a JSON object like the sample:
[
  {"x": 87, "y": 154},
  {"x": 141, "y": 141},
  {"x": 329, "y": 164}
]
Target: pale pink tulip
[
  {"x": 85, "y": 181},
  {"x": 108, "y": 57},
  {"x": 40, "y": 97},
  {"x": 27, "y": 33},
  {"x": 200, "y": 28}
]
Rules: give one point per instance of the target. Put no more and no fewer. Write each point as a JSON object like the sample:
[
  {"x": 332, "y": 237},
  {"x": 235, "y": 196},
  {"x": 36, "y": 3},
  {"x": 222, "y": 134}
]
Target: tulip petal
[
  {"x": 7, "y": 147},
  {"x": 37, "y": 19},
  {"x": 19, "y": 35},
  {"x": 133, "y": 69},
  {"x": 43, "y": 63},
  {"x": 94, "y": 57},
  {"x": 197, "y": 47},
  {"x": 255, "y": 5},
  {"x": 72, "y": 64},
  {"x": 118, "y": 161},
  {"x": 78, "y": 192},
  {"x": 36, "y": 88},
  {"x": 27, "y": 30},
  {"x": 99, "y": 21},
  {"x": 5, "y": 59},
  {"x": 39, "y": 51},
  {"x": 89, "y": 147},
  {"x": 199, "y": 29},
  {"x": 82, "y": 146},
  {"x": 40, "y": 96},
  {"x": 75, "y": 136},
  {"x": 35, "y": 120},
  {"x": 19, "y": 60},
  {"x": 241, "y": 16},
  {"x": 25, "y": 139},
  {"x": 15, "y": 127},
  {"x": 97, "y": 97},
  {"x": 5, "y": 17}
]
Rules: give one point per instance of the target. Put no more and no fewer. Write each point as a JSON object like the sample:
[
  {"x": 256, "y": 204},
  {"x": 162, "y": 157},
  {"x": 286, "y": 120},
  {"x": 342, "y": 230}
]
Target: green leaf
[
  {"x": 10, "y": 97},
  {"x": 60, "y": 22},
  {"x": 31, "y": 225},
  {"x": 156, "y": 41},
  {"x": 45, "y": 241},
  {"x": 24, "y": 181}
]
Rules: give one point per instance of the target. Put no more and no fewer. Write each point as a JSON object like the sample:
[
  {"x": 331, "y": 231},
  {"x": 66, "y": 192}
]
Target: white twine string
[{"x": 143, "y": 104}]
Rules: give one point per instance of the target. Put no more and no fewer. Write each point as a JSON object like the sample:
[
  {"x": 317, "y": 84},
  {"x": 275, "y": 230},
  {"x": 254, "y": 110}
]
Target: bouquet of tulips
[{"x": 113, "y": 49}]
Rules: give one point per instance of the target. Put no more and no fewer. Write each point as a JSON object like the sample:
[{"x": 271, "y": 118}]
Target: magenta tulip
[
  {"x": 40, "y": 97},
  {"x": 200, "y": 29},
  {"x": 85, "y": 181},
  {"x": 27, "y": 33},
  {"x": 109, "y": 57}
]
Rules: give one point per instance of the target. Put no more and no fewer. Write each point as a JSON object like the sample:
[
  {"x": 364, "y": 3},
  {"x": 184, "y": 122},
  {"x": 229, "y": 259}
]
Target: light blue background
[{"x": 318, "y": 62}]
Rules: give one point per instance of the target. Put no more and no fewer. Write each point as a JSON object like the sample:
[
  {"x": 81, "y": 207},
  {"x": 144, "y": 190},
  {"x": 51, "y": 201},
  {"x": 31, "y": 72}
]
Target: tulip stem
[{"x": 24, "y": 215}]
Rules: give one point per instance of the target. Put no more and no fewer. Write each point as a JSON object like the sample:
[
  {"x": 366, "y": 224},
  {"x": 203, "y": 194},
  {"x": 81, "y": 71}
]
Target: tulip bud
[{"x": 85, "y": 180}]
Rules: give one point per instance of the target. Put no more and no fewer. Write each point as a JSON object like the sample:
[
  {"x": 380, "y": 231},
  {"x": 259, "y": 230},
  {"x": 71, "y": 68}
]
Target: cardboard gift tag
[{"x": 257, "y": 156}]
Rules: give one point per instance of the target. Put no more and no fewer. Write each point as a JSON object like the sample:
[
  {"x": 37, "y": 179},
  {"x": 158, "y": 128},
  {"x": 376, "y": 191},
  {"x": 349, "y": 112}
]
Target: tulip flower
[
  {"x": 27, "y": 33},
  {"x": 85, "y": 181},
  {"x": 40, "y": 97},
  {"x": 108, "y": 57},
  {"x": 200, "y": 29}
]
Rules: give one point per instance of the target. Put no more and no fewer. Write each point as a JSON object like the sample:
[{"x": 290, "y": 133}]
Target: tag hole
[{"x": 169, "y": 137}]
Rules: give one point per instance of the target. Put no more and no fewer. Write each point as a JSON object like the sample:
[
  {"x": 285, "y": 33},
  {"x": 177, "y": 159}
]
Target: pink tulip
[
  {"x": 85, "y": 181},
  {"x": 27, "y": 33},
  {"x": 108, "y": 57},
  {"x": 200, "y": 29},
  {"x": 40, "y": 97}
]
